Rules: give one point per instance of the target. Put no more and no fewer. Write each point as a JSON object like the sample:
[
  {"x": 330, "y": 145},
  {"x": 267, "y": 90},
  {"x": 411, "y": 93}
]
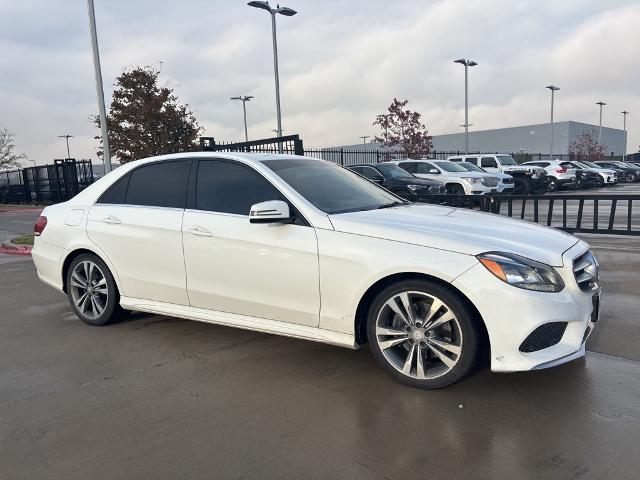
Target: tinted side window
[
  {"x": 425, "y": 167},
  {"x": 117, "y": 192},
  {"x": 358, "y": 170},
  {"x": 408, "y": 166},
  {"x": 473, "y": 160},
  {"x": 488, "y": 162},
  {"x": 231, "y": 188},
  {"x": 370, "y": 173},
  {"x": 159, "y": 185},
  {"x": 456, "y": 159}
]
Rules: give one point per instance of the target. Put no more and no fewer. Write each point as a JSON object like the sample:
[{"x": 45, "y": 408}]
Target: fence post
[
  {"x": 25, "y": 181},
  {"x": 342, "y": 157}
]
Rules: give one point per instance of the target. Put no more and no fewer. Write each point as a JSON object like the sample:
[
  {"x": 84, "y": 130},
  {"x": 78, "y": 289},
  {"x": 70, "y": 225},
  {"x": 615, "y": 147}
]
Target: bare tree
[
  {"x": 8, "y": 157},
  {"x": 403, "y": 129},
  {"x": 587, "y": 147}
]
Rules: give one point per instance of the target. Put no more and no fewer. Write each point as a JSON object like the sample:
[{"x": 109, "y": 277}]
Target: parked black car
[
  {"x": 628, "y": 173},
  {"x": 399, "y": 181},
  {"x": 585, "y": 178}
]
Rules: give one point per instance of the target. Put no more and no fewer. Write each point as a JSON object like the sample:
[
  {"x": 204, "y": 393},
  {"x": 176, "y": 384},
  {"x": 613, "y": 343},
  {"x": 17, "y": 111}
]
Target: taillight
[
  {"x": 561, "y": 170},
  {"x": 38, "y": 228}
]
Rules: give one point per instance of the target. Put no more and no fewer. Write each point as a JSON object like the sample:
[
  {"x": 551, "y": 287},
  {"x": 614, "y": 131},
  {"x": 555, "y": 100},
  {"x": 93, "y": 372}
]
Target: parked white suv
[
  {"x": 527, "y": 179},
  {"x": 505, "y": 182},
  {"x": 559, "y": 175},
  {"x": 305, "y": 248},
  {"x": 457, "y": 179}
]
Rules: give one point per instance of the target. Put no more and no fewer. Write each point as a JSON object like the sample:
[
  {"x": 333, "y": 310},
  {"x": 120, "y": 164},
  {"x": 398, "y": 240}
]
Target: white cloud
[{"x": 341, "y": 63}]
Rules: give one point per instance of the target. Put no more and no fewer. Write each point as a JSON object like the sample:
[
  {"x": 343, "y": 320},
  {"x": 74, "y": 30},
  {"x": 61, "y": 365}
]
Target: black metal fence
[
  {"x": 603, "y": 214},
  {"x": 289, "y": 144},
  {"x": 46, "y": 183}
]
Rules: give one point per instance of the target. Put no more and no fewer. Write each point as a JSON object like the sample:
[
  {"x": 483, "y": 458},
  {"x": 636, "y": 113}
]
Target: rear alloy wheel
[
  {"x": 631, "y": 178},
  {"x": 92, "y": 290},
  {"x": 423, "y": 334}
]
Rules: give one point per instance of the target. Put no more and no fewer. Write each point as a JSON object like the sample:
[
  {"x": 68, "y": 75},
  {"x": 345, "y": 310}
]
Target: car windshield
[
  {"x": 331, "y": 188},
  {"x": 392, "y": 171},
  {"x": 591, "y": 164},
  {"x": 450, "y": 167},
  {"x": 506, "y": 160},
  {"x": 582, "y": 164},
  {"x": 471, "y": 167}
]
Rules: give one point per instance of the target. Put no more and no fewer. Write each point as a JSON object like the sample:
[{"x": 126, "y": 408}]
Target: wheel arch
[
  {"x": 79, "y": 251},
  {"x": 360, "y": 320}
]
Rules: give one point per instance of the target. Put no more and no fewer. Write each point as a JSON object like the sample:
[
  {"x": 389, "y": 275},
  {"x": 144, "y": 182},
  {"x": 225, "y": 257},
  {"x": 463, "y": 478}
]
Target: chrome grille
[
  {"x": 585, "y": 269},
  {"x": 490, "y": 182}
]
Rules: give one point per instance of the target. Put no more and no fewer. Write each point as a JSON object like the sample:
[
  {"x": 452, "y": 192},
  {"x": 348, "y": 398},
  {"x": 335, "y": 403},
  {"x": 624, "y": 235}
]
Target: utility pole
[
  {"x": 66, "y": 137},
  {"x": 467, "y": 64},
  {"x": 553, "y": 89},
  {"x": 106, "y": 154},
  {"x": 624, "y": 123},
  {"x": 602, "y": 104}
]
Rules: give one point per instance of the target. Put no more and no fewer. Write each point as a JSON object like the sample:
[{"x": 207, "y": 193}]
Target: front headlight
[
  {"x": 472, "y": 179},
  {"x": 413, "y": 188},
  {"x": 522, "y": 272}
]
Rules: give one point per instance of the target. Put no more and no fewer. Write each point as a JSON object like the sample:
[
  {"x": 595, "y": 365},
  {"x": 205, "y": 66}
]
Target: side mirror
[
  {"x": 434, "y": 170},
  {"x": 377, "y": 179},
  {"x": 272, "y": 211}
]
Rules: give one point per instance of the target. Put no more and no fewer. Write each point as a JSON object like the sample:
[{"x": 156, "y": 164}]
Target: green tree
[
  {"x": 145, "y": 119},
  {"x": 403, "y": 130}
]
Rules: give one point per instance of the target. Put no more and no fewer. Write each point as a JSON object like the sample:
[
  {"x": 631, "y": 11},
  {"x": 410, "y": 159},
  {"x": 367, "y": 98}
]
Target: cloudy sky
[{"x": 341, "y": 63}]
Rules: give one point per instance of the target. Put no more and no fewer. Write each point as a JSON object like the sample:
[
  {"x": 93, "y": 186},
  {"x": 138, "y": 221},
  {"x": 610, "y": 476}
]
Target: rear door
[
  {"x": 267, "y": 270},
  {"x": 488, "y": 163},
  {"x": 137, "y": 224}
]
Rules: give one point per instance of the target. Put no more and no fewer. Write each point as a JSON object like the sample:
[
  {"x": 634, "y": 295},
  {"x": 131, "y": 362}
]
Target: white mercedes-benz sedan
[{"x": 305, "y": 248}]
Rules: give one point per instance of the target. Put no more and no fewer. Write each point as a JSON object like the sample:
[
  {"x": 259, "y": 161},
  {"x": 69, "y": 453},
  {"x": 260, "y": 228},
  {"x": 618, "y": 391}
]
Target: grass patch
[{"x": 23, "y": 240}]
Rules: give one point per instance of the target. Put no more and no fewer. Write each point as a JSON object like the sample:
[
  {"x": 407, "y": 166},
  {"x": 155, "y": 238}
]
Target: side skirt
[{"x": 240, "y": 321}]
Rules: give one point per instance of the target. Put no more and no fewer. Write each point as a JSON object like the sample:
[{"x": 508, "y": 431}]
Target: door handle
[
  {"x": 200, "y": 231},
  {"x": 111, "y": 219}
]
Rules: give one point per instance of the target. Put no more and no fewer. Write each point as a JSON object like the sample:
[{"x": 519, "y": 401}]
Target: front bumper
[{"x": 511, "y": 314}]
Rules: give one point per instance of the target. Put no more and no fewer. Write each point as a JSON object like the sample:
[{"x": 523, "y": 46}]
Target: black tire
[
  {"x": 521, "y": 186},
  {"x": 111, "y": 306},
  {"x": 467, "y": 320},
  {"x": 552, "y": 186},
  {"x": 630, "y": 178},
  {"x": 455, "y": 189}
]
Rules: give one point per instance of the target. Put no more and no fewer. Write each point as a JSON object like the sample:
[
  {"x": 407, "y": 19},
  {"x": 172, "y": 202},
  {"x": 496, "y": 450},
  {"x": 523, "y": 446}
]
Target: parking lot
[{"x": 156, "y": 396}]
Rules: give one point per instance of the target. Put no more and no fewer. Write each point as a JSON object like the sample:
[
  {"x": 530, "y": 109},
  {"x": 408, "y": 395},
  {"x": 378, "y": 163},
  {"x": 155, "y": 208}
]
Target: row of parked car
[{"x": 483, "y": 174}]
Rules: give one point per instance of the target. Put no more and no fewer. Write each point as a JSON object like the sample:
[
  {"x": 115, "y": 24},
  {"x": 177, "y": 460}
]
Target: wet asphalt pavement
[{"x": 157, "y": 397}]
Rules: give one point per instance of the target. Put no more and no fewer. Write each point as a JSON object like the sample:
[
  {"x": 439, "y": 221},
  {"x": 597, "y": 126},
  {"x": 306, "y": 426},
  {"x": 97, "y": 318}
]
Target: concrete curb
[{"x": 13, "y": 249}]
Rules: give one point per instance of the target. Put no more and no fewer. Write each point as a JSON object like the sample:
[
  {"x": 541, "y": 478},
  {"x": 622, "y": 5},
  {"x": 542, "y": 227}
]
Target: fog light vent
[{"x": 543, "y": 337}]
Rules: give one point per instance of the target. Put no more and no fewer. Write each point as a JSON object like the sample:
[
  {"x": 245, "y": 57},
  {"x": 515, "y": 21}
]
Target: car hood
[{"x": 458, "y": 230}]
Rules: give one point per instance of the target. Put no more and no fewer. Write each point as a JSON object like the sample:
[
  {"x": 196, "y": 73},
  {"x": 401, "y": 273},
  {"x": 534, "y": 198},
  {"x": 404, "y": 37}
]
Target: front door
[{"x": 267, "y": 271}]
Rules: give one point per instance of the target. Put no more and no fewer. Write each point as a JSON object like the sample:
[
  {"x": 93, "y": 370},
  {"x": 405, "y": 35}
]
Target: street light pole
[
  {"x": 364, "y": 138},
  {"x": 602, "y": 104},
  {"x": 66, "y": 137},
  {"x": 244, "y": 99},
  {"x": 99, "y": 89},
  {"x": 467, "y": 64},
  {"x": 553, "y": 89},
  {"x": 624, "y": 126},
  {"x": 289, "y": 12}
]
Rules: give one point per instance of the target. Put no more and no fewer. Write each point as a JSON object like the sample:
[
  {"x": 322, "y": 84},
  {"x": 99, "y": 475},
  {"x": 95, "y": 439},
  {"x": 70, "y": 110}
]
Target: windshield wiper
[{"x": 391, "y": 205}]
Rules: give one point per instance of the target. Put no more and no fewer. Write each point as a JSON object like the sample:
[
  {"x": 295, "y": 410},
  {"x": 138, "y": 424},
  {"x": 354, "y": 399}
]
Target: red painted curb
[{"x": 10, "y": 250}]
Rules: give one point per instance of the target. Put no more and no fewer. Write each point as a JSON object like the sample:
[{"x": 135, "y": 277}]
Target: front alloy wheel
[{"x": 426, "y": 336}]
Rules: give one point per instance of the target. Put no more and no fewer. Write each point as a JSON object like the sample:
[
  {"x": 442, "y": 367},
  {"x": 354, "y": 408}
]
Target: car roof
[{"x": 243, "y": 157}]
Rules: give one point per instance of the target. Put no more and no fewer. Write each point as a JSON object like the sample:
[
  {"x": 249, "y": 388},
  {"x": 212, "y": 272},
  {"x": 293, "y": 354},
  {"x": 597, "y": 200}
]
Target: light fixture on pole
[
  {"x": 244, "y": 99},
  {"x": 99, "y": 90},
  {"x": 467, "y": 64},
  {"x": 287, "y": 12},
  {"x": 364, "y": 138},
  {"x": 624, "y": 126},
  {"x": 602, "y": 104},
  {"x": 66, "y": 137},
  {"x": 553, "y": 89}
]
